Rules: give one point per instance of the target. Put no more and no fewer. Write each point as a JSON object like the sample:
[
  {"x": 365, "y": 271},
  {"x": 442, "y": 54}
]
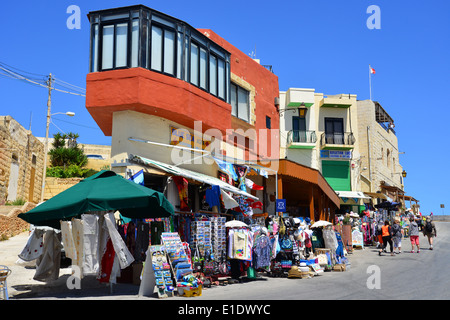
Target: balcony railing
[
  {"x": 297, "y": 136},
  {"x": 346, "y": 138}
]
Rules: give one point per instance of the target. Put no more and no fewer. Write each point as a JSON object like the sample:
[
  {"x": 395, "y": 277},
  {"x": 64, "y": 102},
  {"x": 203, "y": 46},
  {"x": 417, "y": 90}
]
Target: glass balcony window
[{"x": 138, "y": 36}]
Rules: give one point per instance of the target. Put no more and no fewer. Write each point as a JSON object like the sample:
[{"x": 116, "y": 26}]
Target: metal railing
[
  {"x": 346, "y": 138},
  {"x": 298, "y": 136}
]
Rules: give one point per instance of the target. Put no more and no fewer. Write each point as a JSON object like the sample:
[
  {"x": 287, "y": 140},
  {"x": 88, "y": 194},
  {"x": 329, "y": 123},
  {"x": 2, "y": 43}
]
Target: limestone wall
[
  {"x": 21, "y": 162},
  {"x": 53, "y": 186}
]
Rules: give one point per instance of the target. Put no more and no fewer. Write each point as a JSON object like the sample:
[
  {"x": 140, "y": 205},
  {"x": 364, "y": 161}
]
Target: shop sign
[
  {"x": 281, "y": 205},
  {"x": 183, "y": 138},
  {"x": 336, "y": 154}
]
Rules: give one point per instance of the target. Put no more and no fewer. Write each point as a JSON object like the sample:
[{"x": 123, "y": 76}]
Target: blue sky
[{"x": 322, "y": 44}]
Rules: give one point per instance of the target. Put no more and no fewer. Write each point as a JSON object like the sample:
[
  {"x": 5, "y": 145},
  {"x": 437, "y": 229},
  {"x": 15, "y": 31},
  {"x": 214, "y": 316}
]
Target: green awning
[
  {"x": 103, "y": 191},
  {"x": 299, "y": 104}
]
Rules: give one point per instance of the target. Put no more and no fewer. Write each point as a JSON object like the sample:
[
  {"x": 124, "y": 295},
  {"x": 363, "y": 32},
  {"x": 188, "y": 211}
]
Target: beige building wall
[
  {"x": 315, "y": 121},
  {"x": 304, "y": 156},
  {"x": 350, "y": 116},
  {"x": 131, "y": 124},
  {"x": 21, "y": 162},
  {"x": 379, "y": 151}
]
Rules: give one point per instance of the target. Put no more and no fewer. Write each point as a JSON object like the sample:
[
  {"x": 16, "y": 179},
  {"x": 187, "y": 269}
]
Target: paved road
[{"x": 407, "y": 276}]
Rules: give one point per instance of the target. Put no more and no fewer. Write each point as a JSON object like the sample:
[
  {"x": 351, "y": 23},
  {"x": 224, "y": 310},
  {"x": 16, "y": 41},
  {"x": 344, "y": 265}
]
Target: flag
[
  {"x": 372, "y": 70},
  {"x": 249, "y": 183},
  {"x": 138, "y": 177}
]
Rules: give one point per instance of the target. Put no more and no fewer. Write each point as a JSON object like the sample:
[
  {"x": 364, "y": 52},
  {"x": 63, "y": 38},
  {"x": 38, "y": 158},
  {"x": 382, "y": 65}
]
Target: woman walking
[
  {"x": 429, "y": 230},
  {"x": 386, "y": 234},
  {"x": 397, "y": 233},
  {"x": 414, "y": 234}
]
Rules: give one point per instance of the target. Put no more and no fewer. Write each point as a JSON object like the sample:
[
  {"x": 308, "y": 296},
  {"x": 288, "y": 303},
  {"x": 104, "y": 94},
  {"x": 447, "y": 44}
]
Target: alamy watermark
[
  {"x": 74, "y": 281},
  {"x": 374, "y": 280},
  {"x": 74, "y": 20},
  {"x": 374, "y": 21},
  {"x": 251, "y": 145}
]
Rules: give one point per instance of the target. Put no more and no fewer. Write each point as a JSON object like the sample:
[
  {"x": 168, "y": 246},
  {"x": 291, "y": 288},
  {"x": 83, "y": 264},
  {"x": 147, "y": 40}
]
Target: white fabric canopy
[
  {"x": 194, "y": 176},
  {"x": 352, "y": 194}
]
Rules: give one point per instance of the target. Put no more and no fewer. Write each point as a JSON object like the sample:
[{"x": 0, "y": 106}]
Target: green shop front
[{"x": 336, "y": 169}]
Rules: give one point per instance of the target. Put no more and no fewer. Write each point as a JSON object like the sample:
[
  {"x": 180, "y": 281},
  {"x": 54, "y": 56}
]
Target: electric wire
[{"x": 45, "y": 84}]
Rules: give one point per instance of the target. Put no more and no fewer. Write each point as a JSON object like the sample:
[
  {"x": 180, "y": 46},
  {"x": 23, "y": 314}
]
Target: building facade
[
  {"x": 21, "y": 163},
  {"x": 382, "y": 175},
  {"x": 174, "y": 98},
  {"x": 320, "y": 132}
]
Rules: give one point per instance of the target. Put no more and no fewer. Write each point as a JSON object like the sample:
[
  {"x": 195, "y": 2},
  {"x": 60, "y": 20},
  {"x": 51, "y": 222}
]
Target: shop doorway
[{"x": 156, "y": 230}]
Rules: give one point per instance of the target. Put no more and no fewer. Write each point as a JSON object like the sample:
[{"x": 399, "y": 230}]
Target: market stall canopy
[
  {"x": 377, "y": 195},
  {"x": 103, "y": 191},
  {"x": 235, "y": 224},
  {"x": 177, "y": 171},
  {"x": 352, "y": 194},
  {"x": 387, "y": 204},
  {"x": 321, "y": 223}
]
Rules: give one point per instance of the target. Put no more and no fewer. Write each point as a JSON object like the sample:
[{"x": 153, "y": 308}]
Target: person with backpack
[
  {"x": 414, "y": 234},
  {"x": 429, "y": 230},
  {"x": 386, "y": 234},
  {"x": 397, "y": 232}
]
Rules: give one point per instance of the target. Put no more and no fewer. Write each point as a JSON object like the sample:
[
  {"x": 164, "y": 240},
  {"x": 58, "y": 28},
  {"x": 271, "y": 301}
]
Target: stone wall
[
  {"x": 381, "y": 146},
  {"x": 10, "y": 224},
  {"x": 53, "y": 186},
  {"x": 21, "y": 162}
]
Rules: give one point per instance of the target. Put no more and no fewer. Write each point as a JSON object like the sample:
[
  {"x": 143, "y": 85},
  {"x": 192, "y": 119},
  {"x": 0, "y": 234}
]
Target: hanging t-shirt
[
  {"x": 213, "y": 196},
  {"x": 262, "y": 252},
  {"x": 182, "y": 185}
]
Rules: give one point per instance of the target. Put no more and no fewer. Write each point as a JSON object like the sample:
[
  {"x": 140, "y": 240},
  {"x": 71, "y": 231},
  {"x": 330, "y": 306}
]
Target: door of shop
[{"x": 337, "y": 174}]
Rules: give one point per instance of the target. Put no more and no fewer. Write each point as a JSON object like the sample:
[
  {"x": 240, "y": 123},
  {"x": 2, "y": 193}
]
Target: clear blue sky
[{"x": 322, "y": 44}]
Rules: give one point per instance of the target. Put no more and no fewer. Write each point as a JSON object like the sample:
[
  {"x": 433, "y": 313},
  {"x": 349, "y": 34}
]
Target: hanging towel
[
  {"x": 48, "y": 264},
  {"x": 67, "y": 240},
  {"x": 182, "y": 185},
  {"x": 228, "y": 200},
  {"x": 121, "y": 250},
  {"x": 249, "y": 183},
  {"x": 90, "y": 245},
  {"x": 78, "y": 240},
  {"x": 107, "y": 263},
  {"x": 227, "y": 168},
  {"x": 34, "y": 247}
]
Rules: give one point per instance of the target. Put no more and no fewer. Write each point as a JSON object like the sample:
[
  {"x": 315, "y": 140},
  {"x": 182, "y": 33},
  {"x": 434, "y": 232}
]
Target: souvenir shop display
[
  {"x": 93, "y": 243},
  {"x": 218, "y": 238},
  {"x": 176, "y": 254},
  {"x": 201, "y": 236},
  {"x": 164, "y": 285},
  {"x": 357, "y": 239}
]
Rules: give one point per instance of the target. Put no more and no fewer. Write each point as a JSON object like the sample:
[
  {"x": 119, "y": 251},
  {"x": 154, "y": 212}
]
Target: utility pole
[{"x": 49, "y": 104}]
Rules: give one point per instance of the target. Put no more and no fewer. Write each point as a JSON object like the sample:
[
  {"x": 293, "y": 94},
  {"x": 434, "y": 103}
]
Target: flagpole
[{"x": 370, "y": 82}]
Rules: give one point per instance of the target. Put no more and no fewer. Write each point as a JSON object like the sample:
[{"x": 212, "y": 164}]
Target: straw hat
[{"x": 294, "y": 272}]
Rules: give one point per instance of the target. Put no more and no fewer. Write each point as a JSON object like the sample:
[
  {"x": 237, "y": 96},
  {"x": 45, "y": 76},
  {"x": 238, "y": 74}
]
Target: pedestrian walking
[
  {"x": 397, "y": 233},
  {"x": 378, "y": 236},
  {"x": 386, "y": 234},
  {"x": 414, "y": 234},
  {"x": 429, "y": 230}
]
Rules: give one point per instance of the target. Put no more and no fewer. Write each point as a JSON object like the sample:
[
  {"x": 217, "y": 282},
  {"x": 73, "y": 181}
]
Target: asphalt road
[{"x": 407, "y": 276}]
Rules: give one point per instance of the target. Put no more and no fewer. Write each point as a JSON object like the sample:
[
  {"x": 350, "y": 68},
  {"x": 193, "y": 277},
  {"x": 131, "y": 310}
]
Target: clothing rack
[{"x": 204, "y": 212}]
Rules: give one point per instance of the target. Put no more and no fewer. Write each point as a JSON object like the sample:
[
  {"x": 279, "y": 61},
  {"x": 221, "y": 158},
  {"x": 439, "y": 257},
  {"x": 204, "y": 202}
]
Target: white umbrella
[
  {"x": 235, "y": 224},
  {"x": 321, "y": 223}
]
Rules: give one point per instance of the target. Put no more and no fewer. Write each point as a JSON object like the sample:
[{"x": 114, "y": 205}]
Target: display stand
[
  {"x": 178, "y": 260},
  {"x": 157, "y": 274}
]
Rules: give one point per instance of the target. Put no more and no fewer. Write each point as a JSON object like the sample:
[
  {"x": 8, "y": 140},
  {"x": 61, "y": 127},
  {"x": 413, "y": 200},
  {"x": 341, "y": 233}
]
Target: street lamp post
[{"x": 49, "y": 115}]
